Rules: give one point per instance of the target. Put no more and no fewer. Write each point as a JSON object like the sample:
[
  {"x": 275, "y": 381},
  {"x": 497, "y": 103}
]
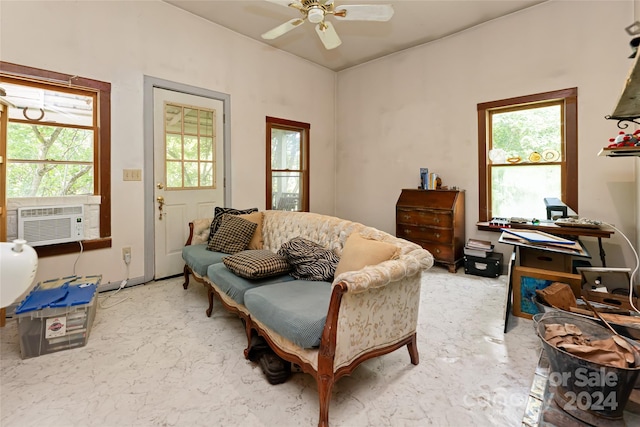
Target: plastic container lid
[
  {"x": 63, "y": 296},
  {"x": 77, "y": 295}
]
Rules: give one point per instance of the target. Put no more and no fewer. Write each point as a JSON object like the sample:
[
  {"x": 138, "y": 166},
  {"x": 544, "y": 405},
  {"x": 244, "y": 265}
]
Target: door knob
[{"x": 160, "y": 186}]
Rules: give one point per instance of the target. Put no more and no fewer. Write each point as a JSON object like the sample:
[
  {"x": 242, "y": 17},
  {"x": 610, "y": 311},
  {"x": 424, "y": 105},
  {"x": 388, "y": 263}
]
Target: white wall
[
  {"x": 418, "y": 108},
  {"x": 636, "y": 10},
  {"x": 120, "y": 42}
]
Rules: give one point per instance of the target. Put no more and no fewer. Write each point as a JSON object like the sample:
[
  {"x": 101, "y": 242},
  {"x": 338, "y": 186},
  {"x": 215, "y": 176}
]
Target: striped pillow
[
  {"x": 256, "y": 264},
  {"x": 233, "y": 236},
  {"x": 309, "y": 260}
]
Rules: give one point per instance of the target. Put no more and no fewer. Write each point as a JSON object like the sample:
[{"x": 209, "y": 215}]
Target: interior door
[{"x": 188, "y": 134}]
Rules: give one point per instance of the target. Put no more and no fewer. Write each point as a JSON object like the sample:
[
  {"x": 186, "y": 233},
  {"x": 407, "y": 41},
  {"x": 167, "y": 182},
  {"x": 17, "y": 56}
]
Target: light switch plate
[{"x": 132, "y": 175}]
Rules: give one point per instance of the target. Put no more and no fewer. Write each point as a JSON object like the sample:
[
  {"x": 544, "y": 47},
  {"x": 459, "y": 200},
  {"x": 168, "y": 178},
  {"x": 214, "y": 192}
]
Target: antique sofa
[{"x": 361, "y": 314}]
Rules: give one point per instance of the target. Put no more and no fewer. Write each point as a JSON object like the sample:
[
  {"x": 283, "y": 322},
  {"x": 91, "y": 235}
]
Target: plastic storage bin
[{"x": 57, "y": 315}]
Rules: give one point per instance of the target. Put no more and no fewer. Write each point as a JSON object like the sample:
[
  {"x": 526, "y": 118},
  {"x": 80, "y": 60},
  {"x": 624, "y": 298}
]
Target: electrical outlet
[{"x": 126, "y": 253}]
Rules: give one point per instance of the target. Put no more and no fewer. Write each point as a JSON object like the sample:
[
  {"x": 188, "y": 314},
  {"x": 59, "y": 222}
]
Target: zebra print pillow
[{"x": 309, "y": 260}]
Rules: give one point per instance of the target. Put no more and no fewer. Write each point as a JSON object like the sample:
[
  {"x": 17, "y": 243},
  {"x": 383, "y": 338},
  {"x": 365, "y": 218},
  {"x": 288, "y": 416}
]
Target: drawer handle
[
  {"x": 406, "y": 217},
  {"x": 437, "y": 235},
  {"x": 436, "y": 220},
  {"x": 437, "y": 251},
  {"x": 407, "y": 231}
]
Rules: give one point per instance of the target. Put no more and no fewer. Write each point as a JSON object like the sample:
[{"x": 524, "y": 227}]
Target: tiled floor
[{"x": 157, "y": 360}]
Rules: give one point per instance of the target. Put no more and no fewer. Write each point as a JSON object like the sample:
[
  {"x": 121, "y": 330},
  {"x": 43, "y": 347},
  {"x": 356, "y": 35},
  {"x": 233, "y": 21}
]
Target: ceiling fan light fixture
[{"x": 315, "y": 15}]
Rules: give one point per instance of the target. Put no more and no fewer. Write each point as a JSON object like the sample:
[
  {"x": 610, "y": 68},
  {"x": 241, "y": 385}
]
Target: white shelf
[{"x": 620, "y": 152}]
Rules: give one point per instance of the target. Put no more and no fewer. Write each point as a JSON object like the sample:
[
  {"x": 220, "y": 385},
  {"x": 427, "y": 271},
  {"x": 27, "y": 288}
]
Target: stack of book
[{"x": 478, "y": 248}]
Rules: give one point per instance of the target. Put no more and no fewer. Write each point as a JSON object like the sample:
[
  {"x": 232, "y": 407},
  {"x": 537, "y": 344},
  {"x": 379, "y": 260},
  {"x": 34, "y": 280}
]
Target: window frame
[
  {"x": 102, "y": 153},
  {"x": 304, "y": 129},
  {"x": 569, "y": 98}
]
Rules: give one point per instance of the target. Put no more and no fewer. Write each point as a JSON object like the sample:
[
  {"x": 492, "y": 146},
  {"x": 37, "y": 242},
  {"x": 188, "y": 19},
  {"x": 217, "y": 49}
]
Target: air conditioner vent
[{"x": 46, "y": 225}]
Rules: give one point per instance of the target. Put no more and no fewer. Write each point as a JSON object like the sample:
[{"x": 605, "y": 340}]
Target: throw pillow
[
  {"x": 359, "y": 252},
  {"x": 309, "y": 260},
  {"x": 256, "y": 241},
  {"x": 256, "y": 264},
  {"x": 233, "y": 235},
  {"x": 217, "y": 217}
]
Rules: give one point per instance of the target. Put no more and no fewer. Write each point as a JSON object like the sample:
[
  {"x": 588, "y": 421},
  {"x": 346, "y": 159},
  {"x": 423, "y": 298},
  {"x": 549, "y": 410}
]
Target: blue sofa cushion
[
  {"x": 296, "y": 310},
  {"x": 198, "y": 258},
  {"x": 236, "y": 286}
]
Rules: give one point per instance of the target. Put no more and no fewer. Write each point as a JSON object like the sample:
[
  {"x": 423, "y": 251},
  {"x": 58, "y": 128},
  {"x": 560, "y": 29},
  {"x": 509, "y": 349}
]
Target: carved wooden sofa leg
[
  {"x": 187, "y": 271},
  {"x": 249, "y": 332},
  {"x": 210, "y": 295},
  {"x": 325, "y": 385},
  {"x": 412, "y": 346}
]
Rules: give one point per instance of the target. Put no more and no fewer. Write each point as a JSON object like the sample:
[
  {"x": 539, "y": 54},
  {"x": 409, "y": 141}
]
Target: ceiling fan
[{"x": 315, "y": 11}]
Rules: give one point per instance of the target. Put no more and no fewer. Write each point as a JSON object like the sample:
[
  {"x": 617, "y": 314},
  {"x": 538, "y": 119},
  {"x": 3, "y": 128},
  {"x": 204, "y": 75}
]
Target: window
[
  {"x": 287, "y": 165},
  {"x": 58, "y": 141},
  {"x": 51, "y": 138},
  {"x": 527, "y": 150},
  {"x": 189, "y": 146}
]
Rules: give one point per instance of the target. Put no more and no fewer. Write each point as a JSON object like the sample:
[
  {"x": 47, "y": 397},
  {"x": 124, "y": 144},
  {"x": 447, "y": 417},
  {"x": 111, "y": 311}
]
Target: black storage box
[{"x": 491, "y": 266}]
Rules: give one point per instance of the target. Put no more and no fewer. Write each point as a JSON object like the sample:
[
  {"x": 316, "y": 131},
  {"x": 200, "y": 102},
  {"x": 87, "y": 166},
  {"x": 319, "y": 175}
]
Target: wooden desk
[{"x": 573, "y": 233}]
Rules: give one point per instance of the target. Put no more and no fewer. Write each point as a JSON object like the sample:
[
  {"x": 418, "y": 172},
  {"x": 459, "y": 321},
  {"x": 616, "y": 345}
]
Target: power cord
[
  {"x": 75, "y": 276},
  {"x": 635, "y": 270},
  {"x": 127, "y": 261}
]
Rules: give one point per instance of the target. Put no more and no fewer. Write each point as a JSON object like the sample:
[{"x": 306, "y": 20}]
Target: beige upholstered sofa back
[{"x": 279, "y": 227}]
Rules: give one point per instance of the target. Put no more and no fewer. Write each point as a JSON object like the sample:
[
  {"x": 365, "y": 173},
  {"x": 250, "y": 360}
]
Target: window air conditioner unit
[{"x": 47, "y": 225}]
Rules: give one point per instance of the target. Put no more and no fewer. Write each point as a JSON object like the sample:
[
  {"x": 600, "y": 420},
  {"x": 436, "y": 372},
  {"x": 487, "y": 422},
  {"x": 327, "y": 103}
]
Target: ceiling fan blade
[
  {"x": 282, "y": 29},
  {"x": 288, "y": 3},
  {"x": 364, "y": 12},
  {"x": 328, "y": 35}
]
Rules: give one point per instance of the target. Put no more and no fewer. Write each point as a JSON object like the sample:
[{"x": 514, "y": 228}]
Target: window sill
[{"x": 72, "y": 247}]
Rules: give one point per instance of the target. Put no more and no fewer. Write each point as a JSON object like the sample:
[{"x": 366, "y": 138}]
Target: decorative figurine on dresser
[{"x": 434, "y": 219}]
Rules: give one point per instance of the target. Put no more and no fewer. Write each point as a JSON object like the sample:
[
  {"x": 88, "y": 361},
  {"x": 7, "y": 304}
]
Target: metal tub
[{"x": 591, "y": 392}]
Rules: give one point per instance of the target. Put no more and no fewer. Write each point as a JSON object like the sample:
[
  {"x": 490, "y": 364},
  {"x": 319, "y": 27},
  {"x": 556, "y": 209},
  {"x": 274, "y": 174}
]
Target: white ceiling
[{"x": 414, "y": 22}]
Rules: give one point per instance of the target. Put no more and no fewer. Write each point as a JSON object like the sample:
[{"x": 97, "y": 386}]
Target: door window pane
[
  {"x": 174, "y": 174},
  {"x": 191, "y": 174},
  {"x": 206, "y": 122},
  {"x": 206, "y": 174},
  {"x": 174, "y": 147},
  {"x": 190, "y": 147}
]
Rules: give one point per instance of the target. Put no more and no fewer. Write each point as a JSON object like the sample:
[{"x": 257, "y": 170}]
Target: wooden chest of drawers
[{"x": 434, "y": 219}]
